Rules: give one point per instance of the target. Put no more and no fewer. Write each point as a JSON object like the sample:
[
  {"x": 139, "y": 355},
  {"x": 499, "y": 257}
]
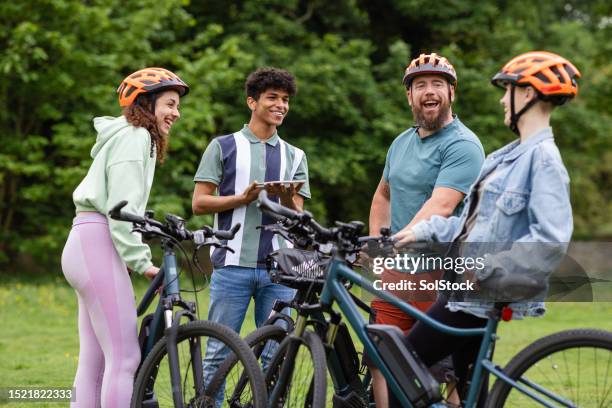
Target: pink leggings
[{"x": 109, "y": 354}]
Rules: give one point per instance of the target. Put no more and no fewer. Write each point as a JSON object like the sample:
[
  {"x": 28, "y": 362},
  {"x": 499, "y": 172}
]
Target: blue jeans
[{"x": 231, "y": 290}]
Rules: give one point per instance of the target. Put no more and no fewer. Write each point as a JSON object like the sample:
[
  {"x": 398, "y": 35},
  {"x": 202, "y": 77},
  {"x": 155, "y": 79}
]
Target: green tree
[{"x": 62, "y": 60}]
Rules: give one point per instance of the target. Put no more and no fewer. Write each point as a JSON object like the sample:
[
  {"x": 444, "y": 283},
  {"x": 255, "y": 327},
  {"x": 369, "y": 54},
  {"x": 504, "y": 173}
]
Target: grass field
[{"x": 39, "y": 339}]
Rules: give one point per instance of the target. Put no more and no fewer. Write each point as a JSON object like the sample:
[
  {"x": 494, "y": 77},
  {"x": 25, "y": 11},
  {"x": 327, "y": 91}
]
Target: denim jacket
[{"x": 525, "y": 201}]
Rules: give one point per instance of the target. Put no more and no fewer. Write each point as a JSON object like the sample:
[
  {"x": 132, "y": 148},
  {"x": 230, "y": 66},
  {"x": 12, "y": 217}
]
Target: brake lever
[
  {"x": 149, "y": 231},
  {"x": 269, "y": 227},
  {"x": 224, "y": 247},
  {"x": 275, "y": 230},
  {"x": 216, "y": 243}
]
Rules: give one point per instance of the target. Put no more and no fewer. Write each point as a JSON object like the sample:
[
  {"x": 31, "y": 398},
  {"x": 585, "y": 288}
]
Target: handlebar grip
[
  {"x": 228, "y": 234},
  {"x": 116, "y": 214},
  {"x": 265, "y": 204}
]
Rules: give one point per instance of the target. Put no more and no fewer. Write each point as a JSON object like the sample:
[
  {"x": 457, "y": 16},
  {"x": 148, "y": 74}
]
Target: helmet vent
[
  {"x": 149, "y": 80},
  {"x": 542, "y": 77},
  {"x": 129, "y": 91},
  {"x": 555, "y": 71}
]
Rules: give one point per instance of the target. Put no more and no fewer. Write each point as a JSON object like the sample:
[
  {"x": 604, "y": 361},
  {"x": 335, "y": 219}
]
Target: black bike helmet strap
[
  {"x": 153, "y": 100},
  {"x": 515, "y": 116}
]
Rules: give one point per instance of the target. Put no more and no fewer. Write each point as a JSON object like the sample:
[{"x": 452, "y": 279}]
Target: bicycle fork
[
  {"x": 286, "y": 371},
  {"x": 172, "y": 323}
]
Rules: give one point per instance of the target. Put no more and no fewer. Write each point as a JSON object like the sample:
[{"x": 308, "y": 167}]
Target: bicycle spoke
[
  {"x": 596, "y": 379},
  {"x": 305, "y": 372},
  {"x": 570, "y": 375},
  {"x": 578, "y": 380},
  {"x": 609, "y": 390},
  {"x": 225, "y": 393}
]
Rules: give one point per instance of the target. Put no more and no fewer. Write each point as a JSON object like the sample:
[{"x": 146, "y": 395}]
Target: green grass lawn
[{"x": 39, "y": 338}]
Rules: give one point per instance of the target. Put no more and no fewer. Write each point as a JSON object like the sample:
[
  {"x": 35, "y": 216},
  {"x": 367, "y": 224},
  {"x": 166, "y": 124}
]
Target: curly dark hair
[
  {"x": 262, "y": 79},
  {"x": 140, "y": 114}
]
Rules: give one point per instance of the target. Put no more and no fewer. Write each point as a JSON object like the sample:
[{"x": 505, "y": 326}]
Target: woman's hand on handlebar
[
  {"x": 404, "y": 237},
  {"x": 151, "y": 272}
]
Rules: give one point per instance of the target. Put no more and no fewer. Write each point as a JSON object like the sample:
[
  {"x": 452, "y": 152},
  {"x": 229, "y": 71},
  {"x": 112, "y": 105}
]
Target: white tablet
[{"x": 286, "y": 183}]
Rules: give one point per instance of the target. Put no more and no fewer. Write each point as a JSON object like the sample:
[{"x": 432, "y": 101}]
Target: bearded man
[{"x": 428, "y": 171}]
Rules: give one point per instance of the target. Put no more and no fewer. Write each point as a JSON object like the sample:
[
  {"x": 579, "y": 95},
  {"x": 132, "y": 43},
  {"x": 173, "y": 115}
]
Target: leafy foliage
[{"x": 62, "y": 59}]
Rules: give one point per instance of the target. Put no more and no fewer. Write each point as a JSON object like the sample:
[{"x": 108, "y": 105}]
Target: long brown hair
[{"x": 140, "y": 114}]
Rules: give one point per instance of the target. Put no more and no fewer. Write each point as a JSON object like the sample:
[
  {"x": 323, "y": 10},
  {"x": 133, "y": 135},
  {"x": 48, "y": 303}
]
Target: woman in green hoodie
[{"x": 100, "y": 251}]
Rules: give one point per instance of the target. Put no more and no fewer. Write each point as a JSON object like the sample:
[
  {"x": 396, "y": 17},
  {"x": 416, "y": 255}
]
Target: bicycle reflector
[{"x": 506, "y": 314}]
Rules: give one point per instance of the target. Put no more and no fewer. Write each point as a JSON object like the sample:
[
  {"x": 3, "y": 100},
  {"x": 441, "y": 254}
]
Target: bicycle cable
[{"x": 180, "y": 271}]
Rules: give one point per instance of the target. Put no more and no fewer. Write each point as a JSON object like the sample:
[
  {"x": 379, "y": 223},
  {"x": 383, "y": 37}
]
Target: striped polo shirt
[{"x": 233, "y": 162}]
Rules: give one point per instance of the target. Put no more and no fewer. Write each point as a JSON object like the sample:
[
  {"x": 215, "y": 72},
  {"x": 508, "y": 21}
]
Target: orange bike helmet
[
  {"x": 552, "y": 76},
  {"x": 430, "y": 64},
  {"x": 149, "y": 80}
]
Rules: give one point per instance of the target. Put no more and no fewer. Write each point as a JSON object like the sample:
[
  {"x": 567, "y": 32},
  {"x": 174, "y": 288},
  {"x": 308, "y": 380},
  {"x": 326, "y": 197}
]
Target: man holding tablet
[{"x": 235, "y": 167}]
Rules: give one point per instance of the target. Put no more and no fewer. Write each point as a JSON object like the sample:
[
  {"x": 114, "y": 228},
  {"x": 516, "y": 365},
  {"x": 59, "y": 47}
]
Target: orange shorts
[{"x": 386, "y": 313}]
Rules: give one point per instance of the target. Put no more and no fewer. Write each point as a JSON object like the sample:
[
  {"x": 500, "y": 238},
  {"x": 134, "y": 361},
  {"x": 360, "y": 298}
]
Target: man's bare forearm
[
  {"x": 429, "y": 209},
  {"x": 443, "y": 202},
  {"x": 380, "y": 214},
  {"x": 210, "y": 204}
]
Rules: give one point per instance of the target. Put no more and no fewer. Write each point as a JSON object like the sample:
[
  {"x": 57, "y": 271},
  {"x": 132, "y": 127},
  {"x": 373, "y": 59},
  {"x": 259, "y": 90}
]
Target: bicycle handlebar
[
  {"x": 174, "y": 227},
  {"x": 227, "y": 234},
  {"x": 345, "y": 235},
  {"x": 116, "y": 214},
  {"x": 305, "y": 218},
  {"x": 267, "y": 205}
]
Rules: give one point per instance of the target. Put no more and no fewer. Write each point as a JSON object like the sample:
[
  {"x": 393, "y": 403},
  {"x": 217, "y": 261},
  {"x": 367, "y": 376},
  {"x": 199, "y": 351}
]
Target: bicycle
[
  {"x": 171, "y": 372},
  {"x": 349, "y": 376},
  {"x": 301, "y": 269},
  {"x": 533, "y": 376}
]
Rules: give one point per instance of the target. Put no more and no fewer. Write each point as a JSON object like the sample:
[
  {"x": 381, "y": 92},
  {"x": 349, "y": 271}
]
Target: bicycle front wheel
[
  {"x": 571, "y": 368},
  {"x": 298, "y": 364},
  {"x": 153, "y": 385},
  {"x": 263, "y": 342}
]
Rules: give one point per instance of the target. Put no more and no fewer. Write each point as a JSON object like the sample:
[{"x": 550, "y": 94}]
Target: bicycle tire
[
  {"x": 257, "y": 341},
  {"x": 316, "y": 386},
  {"x": 148, "y": 373},
  {"x": 551, "y": 352},
  {"x": 355, "y": 395}
]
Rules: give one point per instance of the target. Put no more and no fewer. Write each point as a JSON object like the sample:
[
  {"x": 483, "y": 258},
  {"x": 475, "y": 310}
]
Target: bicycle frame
[
  {"x": 171, "y": 233},
  {"x": 335, "y": 367},
  {"x": 334, "y": 290},
  {"x": 165, "y": 322}
]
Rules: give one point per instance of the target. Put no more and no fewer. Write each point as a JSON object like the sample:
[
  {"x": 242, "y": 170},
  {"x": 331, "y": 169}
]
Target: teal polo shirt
[{"x": 451, "y": 157}]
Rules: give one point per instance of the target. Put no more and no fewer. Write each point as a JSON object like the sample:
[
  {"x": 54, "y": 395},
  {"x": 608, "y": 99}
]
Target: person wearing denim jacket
[
  {"x": 526, "y": 200},
  {"x": 519, "y": 202}
]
